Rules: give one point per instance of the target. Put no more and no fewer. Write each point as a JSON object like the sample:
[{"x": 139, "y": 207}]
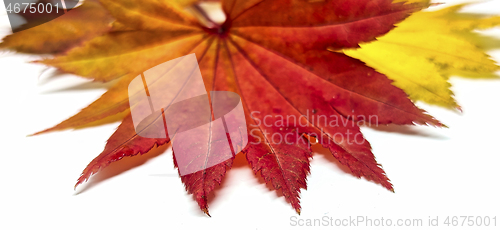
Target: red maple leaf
[{"x": 273, "y": 53}]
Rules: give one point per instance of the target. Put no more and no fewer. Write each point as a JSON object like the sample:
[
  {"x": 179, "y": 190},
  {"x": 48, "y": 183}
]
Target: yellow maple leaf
[{"x": 425, "y": 49}]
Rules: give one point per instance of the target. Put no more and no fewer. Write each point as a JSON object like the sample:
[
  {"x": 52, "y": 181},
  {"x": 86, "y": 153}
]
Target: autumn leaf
[
  {"x": 271, "y": 53},
  {"x": 426, "y": 48}
]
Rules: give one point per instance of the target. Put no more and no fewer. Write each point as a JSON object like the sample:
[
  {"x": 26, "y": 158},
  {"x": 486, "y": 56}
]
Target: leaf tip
[
  {"x": 78, "y": 183},
  {"x": 38, "y": 133},
  {"x": 83, "y": 178},
  {"x": 205, "y": 210},
  {"x": 297, "y": 211}
]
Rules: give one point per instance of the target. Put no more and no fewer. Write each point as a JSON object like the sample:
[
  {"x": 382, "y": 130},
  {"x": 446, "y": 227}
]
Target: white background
[{"x": 436, "y": 172}]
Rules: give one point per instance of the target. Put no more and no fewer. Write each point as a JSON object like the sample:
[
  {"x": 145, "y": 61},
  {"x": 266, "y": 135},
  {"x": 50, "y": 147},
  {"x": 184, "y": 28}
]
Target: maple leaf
[
  {"x": 271, "y": 53},
  {"x": 426, "y": 48}
]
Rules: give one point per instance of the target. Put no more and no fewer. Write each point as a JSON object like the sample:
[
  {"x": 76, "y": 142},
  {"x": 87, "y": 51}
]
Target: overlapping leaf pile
[{"x": 284, "y": 58}]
